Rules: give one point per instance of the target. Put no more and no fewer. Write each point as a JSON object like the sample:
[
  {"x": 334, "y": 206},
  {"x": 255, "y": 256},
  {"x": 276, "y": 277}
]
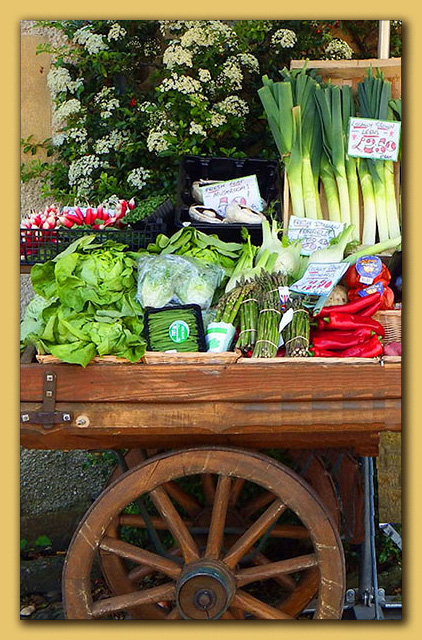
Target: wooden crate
[
  {"x": 353, "y": 71},
  {"x": 348, "y": 72}
]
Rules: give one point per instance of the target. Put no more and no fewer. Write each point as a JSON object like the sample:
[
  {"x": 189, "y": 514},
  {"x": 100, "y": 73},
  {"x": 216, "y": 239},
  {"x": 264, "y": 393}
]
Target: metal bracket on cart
[{"x": 47, "y": 416}]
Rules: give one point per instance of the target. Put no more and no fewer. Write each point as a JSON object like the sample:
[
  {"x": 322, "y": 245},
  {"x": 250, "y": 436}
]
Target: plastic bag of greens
[{"x": 171, "y": 279}]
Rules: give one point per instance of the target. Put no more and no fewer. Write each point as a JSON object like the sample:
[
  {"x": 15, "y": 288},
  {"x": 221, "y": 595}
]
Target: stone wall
[{"x": 56, "y": 487}]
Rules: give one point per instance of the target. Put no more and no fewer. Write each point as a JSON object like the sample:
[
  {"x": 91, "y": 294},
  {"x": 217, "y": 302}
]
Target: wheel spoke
[
  {"x": 227, "y": 615},
  {"x": 134, "y": 520},
  {"x": 257, "y": 503},
  {"x": 141, "y": 556},
  {"x": 188, "y": 502},
  {"x": 271, "y": 570},
  {"x": 255, "y": 531},
  {"x": 128, "y": 600},
  {"x": 258, "y": 608},
  {"x": 138, "y": 573},
  {"x": 208, "y": 487},
  {"x": 174, "y": 614},
  {"x": 175, "y": 524},
  {"x": 303, "y": 594},
  {"x": 291, "y": 531},
  {"x": 284, "y": 580},
  {"x": 237, "y": 487},
  {"x": 218, "y": 517}
]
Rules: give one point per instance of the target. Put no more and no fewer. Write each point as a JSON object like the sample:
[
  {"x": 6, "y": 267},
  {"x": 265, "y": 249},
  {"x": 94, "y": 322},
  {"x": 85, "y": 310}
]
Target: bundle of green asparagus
[
  {"x": 248, "y": 317},
  {"x": 296, "y": 333},
  {"x": 270, "y": 313}
]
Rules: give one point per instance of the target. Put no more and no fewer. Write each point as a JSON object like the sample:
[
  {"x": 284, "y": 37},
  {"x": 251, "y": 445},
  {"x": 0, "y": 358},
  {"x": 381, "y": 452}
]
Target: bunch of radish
[
  {"x": 97, "y": 218},
  {"x": 46, "y": 219}
]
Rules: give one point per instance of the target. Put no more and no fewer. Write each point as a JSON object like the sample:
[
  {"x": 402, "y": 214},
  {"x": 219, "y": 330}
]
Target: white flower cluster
[
  {"x": 283, "y": 39},
  {"x": 248, "y": 61},
  {"x": 232, "y": 105},
  {"x": 107, "y": 102},
  {"x": 396, "y": 23},
  {"x": 110, "y": 142},
  {"x": 338, "y": 49},
  {"x": 82, "y": 168},
  {"x": 93, "y": 42},
  {"x": 58, "y": 139},
  {"x": 204, "y": 75},
  {"x": 59, "y": 80},
  {"x": 231, "y": 75},
  {"x": 176, "y": 56},
  {"x": 209, "y": 33},
  {"x": 183, "y": 84},
  {"x": 138, "y": 177},
  {"x": 156, "y": 141},
  {"x": 198, "y": 129},
  {"x": 175, "y": 26},
  {"x": 77, "y": 134},
  {"x": 66, "y": 109},
  {"x": 217, "y": 120},
  {"x": 117, "y": 32}
]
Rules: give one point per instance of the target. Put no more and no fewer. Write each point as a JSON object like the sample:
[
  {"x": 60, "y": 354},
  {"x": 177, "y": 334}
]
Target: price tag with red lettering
[
  {"x": 377, "y": 139},
  {"x": 320, "y": 278}
]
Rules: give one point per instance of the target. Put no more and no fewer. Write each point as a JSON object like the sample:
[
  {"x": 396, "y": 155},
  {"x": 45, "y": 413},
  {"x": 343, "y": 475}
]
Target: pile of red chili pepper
[{"x": 348, "y": 330}]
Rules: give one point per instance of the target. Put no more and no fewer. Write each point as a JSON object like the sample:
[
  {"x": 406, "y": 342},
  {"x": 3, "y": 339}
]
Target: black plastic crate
[
  {"x": 196, "y": 316},
  {"x": 41, "y": 245},
  {"x": 163, "y": 215},
  {"x": 193, "y": 168}
]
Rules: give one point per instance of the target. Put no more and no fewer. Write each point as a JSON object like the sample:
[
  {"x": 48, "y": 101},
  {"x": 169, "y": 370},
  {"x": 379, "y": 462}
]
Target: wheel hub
[{"x": 204, "y": 590}]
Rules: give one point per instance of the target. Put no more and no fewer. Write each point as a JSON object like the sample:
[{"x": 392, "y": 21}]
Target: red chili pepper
[
  {"x": 323, "y": 353},
  {"x": 351, "y": 307},
  {"x": 370, "y": 311},
  {"x": 349, "y": 321},
  {"x": 369, "y": 349},
  {"x": 340, "y": 339}
]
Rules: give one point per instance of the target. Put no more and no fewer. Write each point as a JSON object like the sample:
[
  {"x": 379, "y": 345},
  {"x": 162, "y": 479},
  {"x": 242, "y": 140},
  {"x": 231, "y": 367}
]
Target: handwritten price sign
[
  {"x": 377, "y": 139},
  {"x": 320, "y": 278}
]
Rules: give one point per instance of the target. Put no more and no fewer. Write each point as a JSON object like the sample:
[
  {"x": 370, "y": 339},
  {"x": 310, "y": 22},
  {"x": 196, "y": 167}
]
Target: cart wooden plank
[
  {"x": 264, "y": 382},
  {"x": 259, "y": 404}
]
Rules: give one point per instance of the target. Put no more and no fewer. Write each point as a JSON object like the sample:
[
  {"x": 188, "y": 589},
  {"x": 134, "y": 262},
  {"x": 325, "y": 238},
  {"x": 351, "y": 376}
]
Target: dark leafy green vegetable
[{"x": 85, "y": 304}]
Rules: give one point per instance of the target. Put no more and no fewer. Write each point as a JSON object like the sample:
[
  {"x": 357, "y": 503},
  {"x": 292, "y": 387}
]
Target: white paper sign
[
  {"x": 378, "y": 139},
  {"x": 244, "y": 191},
  {"x": 320, "y": 278},
  {"x": 315, "y": 234}
]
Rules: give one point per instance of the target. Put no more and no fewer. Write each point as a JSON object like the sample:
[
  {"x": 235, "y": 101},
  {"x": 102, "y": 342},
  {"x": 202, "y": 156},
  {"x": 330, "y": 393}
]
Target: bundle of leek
[
  {"x": 374, "y": 95},
  {"x": 292, "y": 117}
]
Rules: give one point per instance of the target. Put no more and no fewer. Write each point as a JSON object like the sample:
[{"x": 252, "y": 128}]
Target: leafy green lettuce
[{"x": 85, "y": 304}]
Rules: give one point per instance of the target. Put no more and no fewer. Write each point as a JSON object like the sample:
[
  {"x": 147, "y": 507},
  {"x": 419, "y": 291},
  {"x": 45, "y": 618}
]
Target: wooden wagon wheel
[
  {"x": 215, "y": 581},
  {"x": 310, "y": 467}
]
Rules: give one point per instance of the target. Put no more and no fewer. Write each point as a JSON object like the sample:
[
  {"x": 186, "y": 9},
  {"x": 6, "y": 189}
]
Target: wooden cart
[{"x": 232, "y": 532}]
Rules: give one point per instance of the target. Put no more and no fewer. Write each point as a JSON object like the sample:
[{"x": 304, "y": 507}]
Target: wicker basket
[{"x": 391, "y": 321}]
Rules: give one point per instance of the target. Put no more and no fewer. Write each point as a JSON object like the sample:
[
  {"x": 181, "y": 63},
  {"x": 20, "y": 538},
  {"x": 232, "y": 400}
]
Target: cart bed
[{"x": 301, "y": 402}]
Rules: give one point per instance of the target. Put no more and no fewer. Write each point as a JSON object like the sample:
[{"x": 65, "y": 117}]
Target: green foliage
[
  {"x": 144, "y": 208},
  {"x": 131, "y": 96},
  {"x": 42, "y": 542}
]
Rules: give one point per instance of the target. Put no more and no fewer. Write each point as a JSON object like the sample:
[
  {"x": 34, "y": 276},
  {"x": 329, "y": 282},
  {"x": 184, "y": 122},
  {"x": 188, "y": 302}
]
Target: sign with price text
[
  {"x": 320, "y": 278},
  {"x": 377, "y": 139}
]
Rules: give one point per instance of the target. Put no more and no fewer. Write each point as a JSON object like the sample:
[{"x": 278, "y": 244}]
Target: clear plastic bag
[{"x": 171, "y": 279}]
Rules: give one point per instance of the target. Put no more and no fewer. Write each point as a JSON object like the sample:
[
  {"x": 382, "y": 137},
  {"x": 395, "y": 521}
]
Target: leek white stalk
[
  {"x": 328, "y": 100},
  {"x": 369, "y": 208}
]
